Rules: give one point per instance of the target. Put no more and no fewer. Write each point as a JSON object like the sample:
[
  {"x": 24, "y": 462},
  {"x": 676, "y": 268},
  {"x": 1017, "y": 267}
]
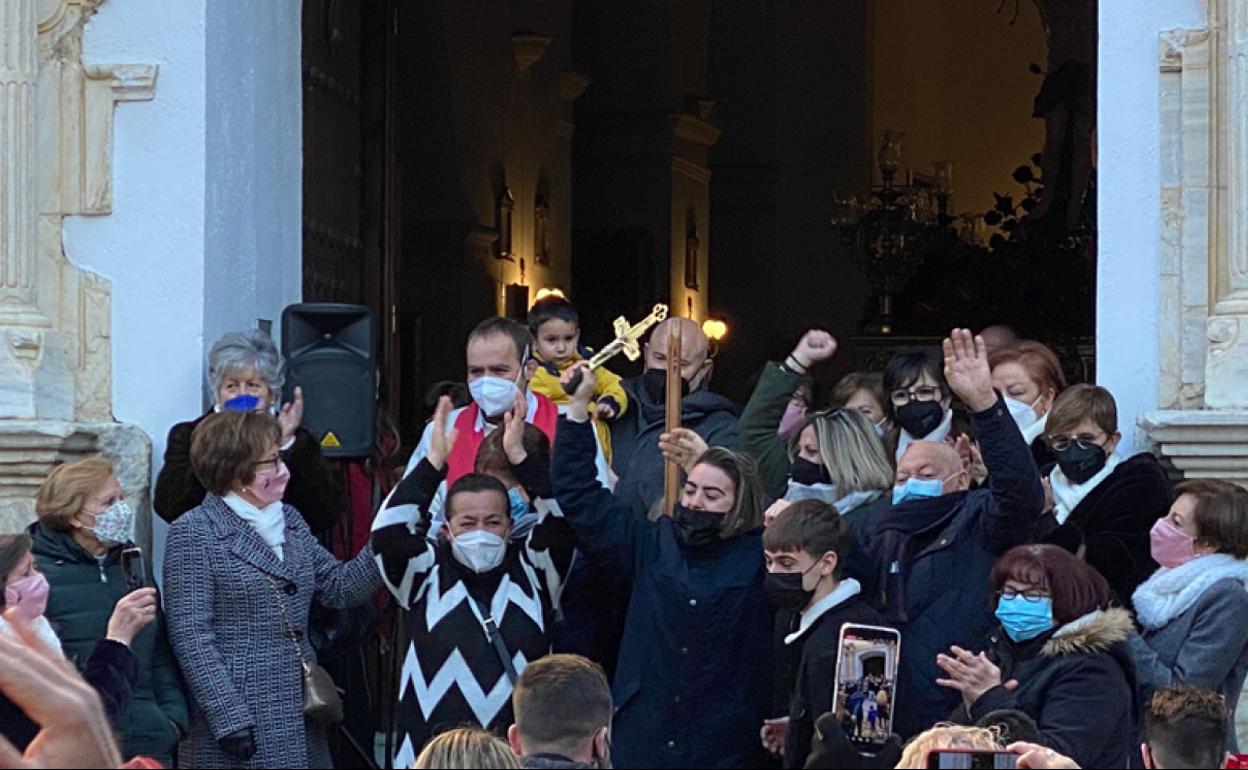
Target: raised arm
[
  {"x": 1017, "y": 495},
  {"x": 605, "y": 525},
  {"x": 399, "y": 542},
  {"x": 761, "y": 418}
]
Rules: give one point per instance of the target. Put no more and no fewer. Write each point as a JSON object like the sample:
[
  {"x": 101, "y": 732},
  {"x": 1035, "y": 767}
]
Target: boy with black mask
[{"x": 806, "y": 547}]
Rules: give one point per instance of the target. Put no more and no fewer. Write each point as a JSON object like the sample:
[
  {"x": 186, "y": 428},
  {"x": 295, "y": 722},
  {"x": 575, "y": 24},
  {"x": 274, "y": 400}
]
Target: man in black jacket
[
  {"x": 805, "y": 548},
  {"x": 933, "y": 552}
]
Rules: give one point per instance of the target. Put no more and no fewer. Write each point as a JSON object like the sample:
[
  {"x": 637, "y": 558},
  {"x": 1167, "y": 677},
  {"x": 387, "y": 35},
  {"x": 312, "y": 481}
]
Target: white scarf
[
  {"x": 847, "y": 590},
  {"x": 42, "y": 629},
  {"x": 904, "y": 440},
  {"x": 1171, "y": 592},
  {"x": 1067, "y": 495},
  {"x": 1036, "y": 429},
  {"x": 269, "y": 522}
]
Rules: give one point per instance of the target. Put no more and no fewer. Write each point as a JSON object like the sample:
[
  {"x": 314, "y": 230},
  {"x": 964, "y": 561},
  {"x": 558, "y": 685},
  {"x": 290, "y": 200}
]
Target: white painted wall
[
  {"x": 205, "y": 232},
  {"x": 1129, "y": 205}
]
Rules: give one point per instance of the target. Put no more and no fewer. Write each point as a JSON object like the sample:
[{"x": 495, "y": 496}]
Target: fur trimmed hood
[{"x": 1095, "y": 632}]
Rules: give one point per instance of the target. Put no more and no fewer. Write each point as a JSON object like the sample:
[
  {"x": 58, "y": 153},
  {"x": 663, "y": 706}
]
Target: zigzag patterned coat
[
  {"x": 227, "y": 631},
  {"x": 452, "y": 674}
]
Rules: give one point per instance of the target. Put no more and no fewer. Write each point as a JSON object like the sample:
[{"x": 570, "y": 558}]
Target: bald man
[
  {"x": 999, "y": 337},
  {"x": 932, "y": 554},
  {"x": 635, "y": 436}
]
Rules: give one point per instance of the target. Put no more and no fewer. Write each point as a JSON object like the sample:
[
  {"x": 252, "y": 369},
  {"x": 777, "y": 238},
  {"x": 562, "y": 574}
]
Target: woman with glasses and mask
[
  {"x": 1101, "y": 506},
  {"x": 241, "y": 572},
  {"x": 1060, "y": 656},
  {"x": 1030, "y": 377},
  {"x": 920, "y": 403},
  {"x": 694, "y": 678}
]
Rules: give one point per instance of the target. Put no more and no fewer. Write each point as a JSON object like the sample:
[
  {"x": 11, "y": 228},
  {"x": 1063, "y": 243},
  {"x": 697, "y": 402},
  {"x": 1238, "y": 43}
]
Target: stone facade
[
  {"x": 56, "y": 157},
  {"x": 1202, "y": 427}
]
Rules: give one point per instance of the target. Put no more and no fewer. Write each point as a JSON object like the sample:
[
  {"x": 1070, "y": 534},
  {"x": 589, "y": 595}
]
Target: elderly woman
[
  {"x": 241, "y": 572},
  {"x": 1029, "y": 376},
  {"x": 85, "y": 522},
  {"x": 245, "y": 372}
]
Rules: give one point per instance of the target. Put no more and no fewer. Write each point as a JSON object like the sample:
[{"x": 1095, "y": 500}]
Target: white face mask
[
  {"x": 115, "y": 526},
  {"x": 1023, "y": 414},
  {"x": 479, "y": 551}
]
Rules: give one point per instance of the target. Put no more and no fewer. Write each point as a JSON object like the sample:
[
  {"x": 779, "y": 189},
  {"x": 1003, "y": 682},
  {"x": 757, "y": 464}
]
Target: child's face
[{"x": 557, "y": 340}]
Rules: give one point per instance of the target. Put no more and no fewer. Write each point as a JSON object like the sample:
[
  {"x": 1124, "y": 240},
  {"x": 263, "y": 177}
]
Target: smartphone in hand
[
  {"x": 134, "y": 568},
  {"x": 866, "y": 684}
]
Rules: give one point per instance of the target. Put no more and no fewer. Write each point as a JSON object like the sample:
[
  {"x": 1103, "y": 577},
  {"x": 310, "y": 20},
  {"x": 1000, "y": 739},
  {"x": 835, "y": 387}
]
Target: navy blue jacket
[
  {"x": 933, "y": 559},
  {"x": 694, "y": 678}
]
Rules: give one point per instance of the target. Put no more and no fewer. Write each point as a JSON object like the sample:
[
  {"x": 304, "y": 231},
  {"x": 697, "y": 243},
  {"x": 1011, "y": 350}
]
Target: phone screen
[
  {"x": 866, "y": 683},
  {"x": 972, "y": 760},
  {"x": 134, "y": 568}
]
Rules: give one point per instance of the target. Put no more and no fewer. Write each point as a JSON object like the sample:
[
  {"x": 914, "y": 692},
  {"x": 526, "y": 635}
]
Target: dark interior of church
[{"x": 883, "y": 169}]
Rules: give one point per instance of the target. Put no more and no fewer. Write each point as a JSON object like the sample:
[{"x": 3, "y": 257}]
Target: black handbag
[{"x": 322, "y": 702}]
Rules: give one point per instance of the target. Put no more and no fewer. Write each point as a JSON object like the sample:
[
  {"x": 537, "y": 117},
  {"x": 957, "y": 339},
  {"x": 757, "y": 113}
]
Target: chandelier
[{"x": 888, "y": 228}]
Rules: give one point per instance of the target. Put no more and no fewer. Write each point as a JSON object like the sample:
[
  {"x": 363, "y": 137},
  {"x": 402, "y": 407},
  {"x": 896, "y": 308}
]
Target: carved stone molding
[
  {"x": 690, "y": 170},
  {"x": 528, "y": 47},
  {"x": 691, "y": 128},
  {"x": 1201, "y": 444}
]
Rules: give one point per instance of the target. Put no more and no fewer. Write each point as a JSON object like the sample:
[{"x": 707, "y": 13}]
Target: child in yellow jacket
[{"x": 556, "y": 331}]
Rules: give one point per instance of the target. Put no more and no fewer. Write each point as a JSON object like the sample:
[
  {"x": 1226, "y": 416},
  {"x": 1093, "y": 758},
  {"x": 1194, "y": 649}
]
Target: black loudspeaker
[{"x": 329, "y": 353}]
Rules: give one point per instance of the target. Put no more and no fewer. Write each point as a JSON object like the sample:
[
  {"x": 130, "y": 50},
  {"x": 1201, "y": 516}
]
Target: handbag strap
[
  {"x": 290, "y": 631},
  {"x": 495, "y": 638}
]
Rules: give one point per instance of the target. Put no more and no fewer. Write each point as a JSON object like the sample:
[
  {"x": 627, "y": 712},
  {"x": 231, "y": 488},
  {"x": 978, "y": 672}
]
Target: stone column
[
  {"x": 19, "y": 79},
  {"x": 1226, "y": 378}
]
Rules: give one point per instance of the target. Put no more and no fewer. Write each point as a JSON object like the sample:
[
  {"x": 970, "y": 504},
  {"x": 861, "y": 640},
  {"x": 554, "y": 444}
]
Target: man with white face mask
[
  {"x": 500, "y": 367},
  {"x": 479, "y": 606}
]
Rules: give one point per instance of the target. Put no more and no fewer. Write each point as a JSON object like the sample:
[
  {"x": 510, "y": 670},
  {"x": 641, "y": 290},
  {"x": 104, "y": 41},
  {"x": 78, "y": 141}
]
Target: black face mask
[
  {"x": 784, "y": 590},
  {"x": 920, "y": 418},
  {"x": 654, "y": 382},
  {"x": 1079, "y": 464},
  {"x": 808, "y": 473},
  {"x": 697, "y": 529}
]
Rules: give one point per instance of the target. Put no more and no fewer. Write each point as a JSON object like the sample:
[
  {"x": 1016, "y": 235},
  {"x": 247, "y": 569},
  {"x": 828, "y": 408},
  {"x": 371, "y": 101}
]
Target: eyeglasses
[
  {"x": 924, "y": 393},
  {"x": 273, "y": 464},
  {"x": 1062, "y": 443},
  {"x": 1030, "y": 595}
]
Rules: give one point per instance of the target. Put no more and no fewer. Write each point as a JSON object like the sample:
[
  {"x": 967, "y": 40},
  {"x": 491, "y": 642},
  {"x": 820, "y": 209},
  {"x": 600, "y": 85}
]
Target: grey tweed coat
[{"x": 226, "y": 630}]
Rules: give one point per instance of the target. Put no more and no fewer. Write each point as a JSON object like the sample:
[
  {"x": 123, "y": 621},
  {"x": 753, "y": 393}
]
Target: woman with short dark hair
[
  {"x": 241, "y": 572},
  {"x": 1192, "y": 611},
  {"x": 920, "y": 403},
  {"x": 1060, "y": 656}
]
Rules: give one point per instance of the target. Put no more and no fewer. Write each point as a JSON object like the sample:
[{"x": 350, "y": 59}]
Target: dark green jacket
[
  {"x": 760, "y": 421},
  {"x": 84, "y": 593}
]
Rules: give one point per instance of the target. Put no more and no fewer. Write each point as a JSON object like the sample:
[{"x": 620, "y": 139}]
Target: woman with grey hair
[{"x": 246, "y": 372}]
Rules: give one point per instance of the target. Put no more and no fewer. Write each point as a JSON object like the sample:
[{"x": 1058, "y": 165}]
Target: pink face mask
[
  {"x": 270, "y": 486},
  {"x": 1171, "y": 546},
  {"x": 794, "y": 416},
  {"x": 29, "y": 595}
]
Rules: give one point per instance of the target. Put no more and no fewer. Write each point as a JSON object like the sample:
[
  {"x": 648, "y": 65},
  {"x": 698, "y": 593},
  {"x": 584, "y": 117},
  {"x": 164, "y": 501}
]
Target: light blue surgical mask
[
  {"x": 519, "y": 506},
  {"x": 919, "y": 489},
  {"x": 1024, "y": 619}
]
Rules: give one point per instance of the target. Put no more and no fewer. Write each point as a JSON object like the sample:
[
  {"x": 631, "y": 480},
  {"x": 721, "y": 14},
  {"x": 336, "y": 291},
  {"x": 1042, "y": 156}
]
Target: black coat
[
  {"x": 934, "y": 558},
  {"x": 693, "y": 684},
  {"x": 814, "y": 691},
  {"x": 313, "y": 490},
  {"x": 1077, "y": 683},
  {"x": 1114, "y": 522}
]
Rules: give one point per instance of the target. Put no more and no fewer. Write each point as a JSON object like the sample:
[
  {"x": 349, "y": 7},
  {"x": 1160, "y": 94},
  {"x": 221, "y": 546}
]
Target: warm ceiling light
[
  {"x": 714, "y": 329},
  {"x": 550, "y": 291}
]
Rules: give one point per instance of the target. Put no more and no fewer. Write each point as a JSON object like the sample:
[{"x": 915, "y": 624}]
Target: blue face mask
[
  {"x": 918, "y": 489},
  {"x": 519, "y": 506},
  {"x": 1025, "y": 620}
]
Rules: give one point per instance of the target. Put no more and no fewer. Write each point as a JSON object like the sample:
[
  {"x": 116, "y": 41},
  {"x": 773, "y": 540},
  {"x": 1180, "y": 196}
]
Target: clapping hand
[
  {"x": 972, "y": 675},
  {"x": 514, "y": 423},
  {"x": 75, "y": 731},
  {"x": 440, "y": 442},
  {"x": 291, "y": 416},
  {"x": 967, "y": 370}
]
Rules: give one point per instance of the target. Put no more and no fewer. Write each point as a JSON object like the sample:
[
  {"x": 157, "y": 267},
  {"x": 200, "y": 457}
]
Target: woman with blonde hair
[
  {"x": 85, "y": 523},
  {"x": 948, "y": 737},
  {"x": 466, "y": 747}
]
